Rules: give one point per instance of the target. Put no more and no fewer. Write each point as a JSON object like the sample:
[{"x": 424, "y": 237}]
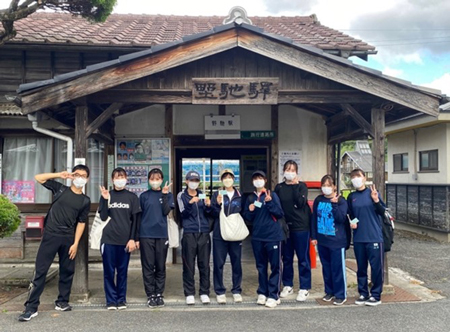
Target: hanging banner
[
  {"x": 139, "y": 156},
  {"x": 19, "y": 191}
]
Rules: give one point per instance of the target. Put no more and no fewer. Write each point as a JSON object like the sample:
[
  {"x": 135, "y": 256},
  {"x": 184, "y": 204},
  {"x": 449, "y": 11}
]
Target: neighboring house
[
  {"x": 419, "y": 173},
  {"x": 360, "y": 158}
]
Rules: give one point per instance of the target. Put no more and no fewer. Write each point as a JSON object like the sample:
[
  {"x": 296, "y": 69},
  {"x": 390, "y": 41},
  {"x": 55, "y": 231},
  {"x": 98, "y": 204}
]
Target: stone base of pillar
[
  {"x": 388, "y": 289},
  {"x": 80, "y": 297}
]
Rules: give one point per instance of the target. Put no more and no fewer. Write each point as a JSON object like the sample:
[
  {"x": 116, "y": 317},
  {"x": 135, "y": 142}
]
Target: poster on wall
[
  {"x": 284, "y": 156},
  {"x": 19, "y": 191},
  {"x": 139, "y": 156}
]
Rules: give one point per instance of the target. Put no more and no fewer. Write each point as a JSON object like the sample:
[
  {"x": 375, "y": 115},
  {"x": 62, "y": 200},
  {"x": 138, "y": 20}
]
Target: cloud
[
  {"x": 280, "y": 6},
  {"x": 442, "y": 83},
  {"x": 393, "y": 72},
  {"x": 409, "y": 27}
]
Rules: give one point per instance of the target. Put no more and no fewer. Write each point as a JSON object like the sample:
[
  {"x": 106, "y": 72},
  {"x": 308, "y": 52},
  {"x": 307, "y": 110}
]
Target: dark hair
[
  {"x": 118, "y": 170},
  {"x": 357, "y": 171},
  {"x": 288, "y": 164},
  {"x": 226, "y": 173},
  {"x": 328, "y": 178},
  {"x": 155, "y": 171},
  {"x": 137, "y": 145},
  {"x": 81, "y": 168}
]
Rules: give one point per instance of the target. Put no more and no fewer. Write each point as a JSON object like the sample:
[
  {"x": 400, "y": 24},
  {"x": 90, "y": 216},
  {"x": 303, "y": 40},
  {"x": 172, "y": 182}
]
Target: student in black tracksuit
[
  {"x": 263, "y": 210},
  {"x": 232, "y": 203},
  {"x": 64, "y": 226},
  {"x": 196, "y": 243},
  {"x": 329, "y": 232},
  {"x": 293, "y": 195},
  {"x": 365, "y": 208},
  {"x": 118, "y": 238},
  {"x": 156, "y": 204}
]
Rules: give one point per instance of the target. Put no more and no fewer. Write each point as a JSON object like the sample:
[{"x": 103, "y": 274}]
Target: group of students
[{"x": 281, "y": 220}]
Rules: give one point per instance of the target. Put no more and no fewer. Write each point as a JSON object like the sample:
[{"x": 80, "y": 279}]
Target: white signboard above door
[{"x": 222, "y": 127}]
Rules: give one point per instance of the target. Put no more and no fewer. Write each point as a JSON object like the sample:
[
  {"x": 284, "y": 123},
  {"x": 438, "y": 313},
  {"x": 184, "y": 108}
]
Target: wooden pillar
[
  {"x": 378, "y": 170},
  {"x": 331, "y": 160},
  {"x": 274, "y": 148},
  {"x": 80, "y": 289},
  {"x": 378, "y": 158},
  {"x": 168, "y": 123}
]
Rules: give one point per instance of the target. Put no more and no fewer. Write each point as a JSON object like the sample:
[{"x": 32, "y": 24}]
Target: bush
[{"x": 9, "y": 217}]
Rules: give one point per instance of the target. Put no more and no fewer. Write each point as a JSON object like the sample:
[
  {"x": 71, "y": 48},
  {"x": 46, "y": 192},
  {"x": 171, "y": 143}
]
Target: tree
[
  {"x": 9, "y": 217},
  {"x": 93, "y": 10}
]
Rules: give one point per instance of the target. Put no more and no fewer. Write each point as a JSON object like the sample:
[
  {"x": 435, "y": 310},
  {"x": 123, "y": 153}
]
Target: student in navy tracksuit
[
  {"x": 329, "y": 232},
  {"x": 153, "y": 238},
  {"x": 196, "y": 243},
  {"x": 365, "y": 208},
  {"x": 263, "y": 209},
  {"x": 118, "y": 238},
  {"x": 232, "y": 204},
  {"x": 293, "y": 196}
]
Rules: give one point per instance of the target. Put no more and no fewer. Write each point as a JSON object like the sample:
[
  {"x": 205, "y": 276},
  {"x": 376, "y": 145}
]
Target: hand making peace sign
[
  {"x": 268, "y": 198},
  {"x": 165, "y": 189},
  {"x": 104, "y": 192},
  {"x": 374, "y": 194}
]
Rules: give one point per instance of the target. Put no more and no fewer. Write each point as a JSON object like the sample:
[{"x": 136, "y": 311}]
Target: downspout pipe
[{"x": 35, "y": 118}]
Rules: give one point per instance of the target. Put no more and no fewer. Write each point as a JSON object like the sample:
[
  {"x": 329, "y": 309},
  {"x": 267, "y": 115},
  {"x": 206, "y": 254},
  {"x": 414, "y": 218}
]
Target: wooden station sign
[{"x": 235, "y": 91}]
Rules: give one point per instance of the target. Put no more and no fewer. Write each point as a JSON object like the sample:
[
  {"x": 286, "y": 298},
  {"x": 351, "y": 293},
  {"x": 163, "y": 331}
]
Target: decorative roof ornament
[{"x": 238, "y": 15}]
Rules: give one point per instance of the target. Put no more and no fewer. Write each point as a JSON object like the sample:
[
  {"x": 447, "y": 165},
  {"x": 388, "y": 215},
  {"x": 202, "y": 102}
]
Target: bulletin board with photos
[{"x": 139, "y": 156}]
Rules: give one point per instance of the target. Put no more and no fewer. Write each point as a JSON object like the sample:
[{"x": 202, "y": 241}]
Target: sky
[{"x": 412, "y": 36}]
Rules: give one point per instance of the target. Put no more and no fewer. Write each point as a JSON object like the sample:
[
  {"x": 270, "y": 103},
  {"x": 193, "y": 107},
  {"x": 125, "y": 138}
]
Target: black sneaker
[
  {"x": 112, "y": 306},
  {"x": 152, "y": 302},
  {"x": 27, "y": 315},
  {"x": 63, "y": 306},
  {"x": 361, "y": 300},
  {"x": 328, "y": 297},
  {"x": 121, "y": 305},
  {"x": 160, "y": 300},
  {"x": 373, "y": 302},
  {"x": 339, "y": 301}
]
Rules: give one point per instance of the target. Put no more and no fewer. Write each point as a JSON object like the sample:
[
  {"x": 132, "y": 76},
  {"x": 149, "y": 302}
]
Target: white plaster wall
[
  {"x": 253, "y": 117},
  {"x": 147, "y": 122},
  {"x": 305, "y": 131},
  {"x": 428, "y": 138},
  {"x": 190, "y": 119}
]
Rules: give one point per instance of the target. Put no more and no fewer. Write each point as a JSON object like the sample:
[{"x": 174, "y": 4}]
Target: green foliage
[{"x": 9, "y": 217}]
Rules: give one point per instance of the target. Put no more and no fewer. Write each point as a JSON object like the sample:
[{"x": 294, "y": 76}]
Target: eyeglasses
[{"x": 83, "y": 176}]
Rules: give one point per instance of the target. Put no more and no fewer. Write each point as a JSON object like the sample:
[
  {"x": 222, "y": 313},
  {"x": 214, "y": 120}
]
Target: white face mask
[
  {"x": 228, "y": 182},
  {"x": 327, "y": 190},
  {"x": 357, "y": 182},
  {"x": 193, "y": 185},
  {"x": 79, "y": 182},
  {"x": 290, "y": 175},
  {"x": 155, "y": 184},
  {"x": 259, "y": 183},
  {"x": 120, "y": 183}
]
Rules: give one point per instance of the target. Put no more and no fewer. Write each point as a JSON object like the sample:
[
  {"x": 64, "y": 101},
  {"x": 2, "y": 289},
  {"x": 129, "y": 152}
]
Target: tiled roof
[
  {"x": 147, "y": 30},
  {"x": 10, "y": 109}
]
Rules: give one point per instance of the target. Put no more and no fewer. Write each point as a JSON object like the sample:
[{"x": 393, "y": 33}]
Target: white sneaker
[
  {"x": 190, "y": 300},
  {"x": 287, "y": 290},
  {"x": 237, "y": 298},
  {"x": 302, "y": 295},
  {"x": 221, "y": 299},
  {"x": 205, "y": 299},
  {"x": 272, "y": 303},
  {"x": 261, "y": 299}
]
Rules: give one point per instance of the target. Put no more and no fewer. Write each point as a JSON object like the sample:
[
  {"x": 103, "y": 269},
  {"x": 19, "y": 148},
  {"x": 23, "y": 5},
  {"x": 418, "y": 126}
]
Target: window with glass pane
[
  {"x": 95, "y": 162},
  {"x": 401, "y": 162},
  {"x": 23, "y": 158},
  {"x": 428, "y": 160}
]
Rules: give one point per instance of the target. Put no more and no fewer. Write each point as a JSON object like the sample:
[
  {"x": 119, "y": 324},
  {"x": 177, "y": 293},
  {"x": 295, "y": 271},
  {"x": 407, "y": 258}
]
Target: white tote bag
[
  {"x": 232, "y": 228},
  {"x": 96, "y": 233},
  {"x": 173, "y": 231}
]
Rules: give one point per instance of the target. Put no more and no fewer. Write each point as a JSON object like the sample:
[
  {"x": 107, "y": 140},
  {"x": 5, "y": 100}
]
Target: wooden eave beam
[
  {"x": 184, "y": 96},
  {"x": 102, "y": 118},
  {"x": 128, "y": 71},
  {"x": 338, "y": 72},
  {"x": 359, "y": 119}
]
